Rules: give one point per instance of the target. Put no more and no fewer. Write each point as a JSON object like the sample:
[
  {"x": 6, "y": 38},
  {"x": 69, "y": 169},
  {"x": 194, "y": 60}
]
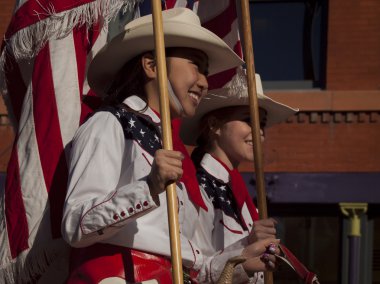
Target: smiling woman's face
[
  {"x": 187, "y": 72},
  {"x": 234, "y": 136}
]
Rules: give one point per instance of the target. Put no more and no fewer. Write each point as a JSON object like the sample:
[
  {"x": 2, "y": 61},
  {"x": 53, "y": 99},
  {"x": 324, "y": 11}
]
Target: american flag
[{"x": 44, "y": 59}]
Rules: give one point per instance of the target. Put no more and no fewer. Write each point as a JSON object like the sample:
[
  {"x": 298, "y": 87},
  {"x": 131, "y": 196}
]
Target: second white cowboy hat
[
  {"x": 219, "y": 98},
  {"x": 182, "y": 28}
]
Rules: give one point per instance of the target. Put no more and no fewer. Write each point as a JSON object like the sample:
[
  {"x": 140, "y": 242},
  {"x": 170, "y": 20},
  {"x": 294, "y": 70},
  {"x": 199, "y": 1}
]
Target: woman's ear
[
  {"x": 213, "y": 125},
  {"x": 149, "y": 65}
]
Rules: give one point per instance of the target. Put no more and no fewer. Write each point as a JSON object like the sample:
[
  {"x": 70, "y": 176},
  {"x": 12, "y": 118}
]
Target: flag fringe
[
  {"x": 32, "y": 263},
  {"x": 27, "y": 42},
  {"x": 4, "y": 91},
  {"x": 237, "y": 86}
]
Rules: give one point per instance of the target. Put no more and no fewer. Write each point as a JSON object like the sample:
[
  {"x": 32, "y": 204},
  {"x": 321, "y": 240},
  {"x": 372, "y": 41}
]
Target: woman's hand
[
  {"x": 263, "y": 229},
  {"x": 260, "y": 256},
  {"x": 166, "y": 168}
]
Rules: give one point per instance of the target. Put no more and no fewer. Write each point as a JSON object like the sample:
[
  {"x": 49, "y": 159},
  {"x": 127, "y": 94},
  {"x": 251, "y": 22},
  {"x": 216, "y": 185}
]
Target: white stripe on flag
[
  {"x": 208, "y": 10},
  {"x": 232, "y": 37},
  {"x": 33, "y": 188},
  {"x": 5, "y": 253},
  {"x": 99, "y": 43},
  {"x": 66, "y": 85},
  {"x": 180, "y": 4}
]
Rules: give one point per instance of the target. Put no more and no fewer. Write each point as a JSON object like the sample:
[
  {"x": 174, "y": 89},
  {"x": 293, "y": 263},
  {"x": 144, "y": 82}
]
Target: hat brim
[
  {"x": 139, "y": 39},
  {"x": 217, "y": 99}
]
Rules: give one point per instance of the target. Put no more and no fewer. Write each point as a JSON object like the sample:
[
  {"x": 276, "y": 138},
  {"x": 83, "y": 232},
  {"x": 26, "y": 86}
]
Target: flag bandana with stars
[
  {"x": 142, "y": 129},
  {"x": 138, "y": 127},
  {"x": 229, "y": 197},
  {"x": 219, "y": 193}
]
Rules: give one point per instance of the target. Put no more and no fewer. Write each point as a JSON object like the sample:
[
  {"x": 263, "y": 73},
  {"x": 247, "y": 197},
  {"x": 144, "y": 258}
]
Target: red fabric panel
[
  {"x": 17, "y": 224},
  {"x": 49, "y": 140}
]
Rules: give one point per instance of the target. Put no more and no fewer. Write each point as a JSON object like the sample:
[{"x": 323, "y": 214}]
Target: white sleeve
[
  {"x": 214, "y": 265},
  {"x": 97, "y": 204},
  {"x": 214, "y": 262}
]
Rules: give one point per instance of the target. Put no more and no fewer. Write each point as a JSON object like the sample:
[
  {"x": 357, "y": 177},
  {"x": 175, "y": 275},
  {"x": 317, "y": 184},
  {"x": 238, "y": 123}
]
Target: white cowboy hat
[
  {"x": 220, "y": 98},
  {"x": 182, "y": 28}
]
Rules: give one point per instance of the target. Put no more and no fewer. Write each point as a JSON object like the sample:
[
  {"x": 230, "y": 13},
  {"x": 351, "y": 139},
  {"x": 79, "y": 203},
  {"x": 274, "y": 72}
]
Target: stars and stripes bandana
[
  {"x": 219, "y": 193},
  {"x": 240, "y": 191},
  {"x": 145, "y": 132},
  {"x": 229, "y": 197}
]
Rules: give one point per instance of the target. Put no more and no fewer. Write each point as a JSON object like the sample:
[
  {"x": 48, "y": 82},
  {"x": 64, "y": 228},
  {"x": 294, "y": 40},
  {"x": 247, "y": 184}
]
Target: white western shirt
[
  {"x": 221, "y": 230},
  {"x": 108, "y": 198}
]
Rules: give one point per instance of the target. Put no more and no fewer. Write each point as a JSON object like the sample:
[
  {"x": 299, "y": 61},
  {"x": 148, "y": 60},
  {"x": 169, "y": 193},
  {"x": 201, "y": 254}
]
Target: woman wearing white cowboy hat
[
  {"x": 115, "y": 208},
  {"x": 221, "y": 130}
]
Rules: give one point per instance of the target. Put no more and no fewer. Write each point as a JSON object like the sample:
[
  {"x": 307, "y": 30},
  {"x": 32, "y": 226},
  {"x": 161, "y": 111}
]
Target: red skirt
[{"x": 93, "y": 264}]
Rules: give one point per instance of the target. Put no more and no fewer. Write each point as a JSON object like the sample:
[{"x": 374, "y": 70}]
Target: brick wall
[
  {"x": 323, "y": 147},
  {"x": 6, "y": 9},
  {"x": 353, "y": 45},
  {"x": 6, "y": 131}
]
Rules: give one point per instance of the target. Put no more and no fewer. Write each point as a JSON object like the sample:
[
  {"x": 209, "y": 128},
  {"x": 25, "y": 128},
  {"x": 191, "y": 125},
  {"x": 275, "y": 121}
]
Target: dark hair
[
  {"x": 130, "y": 80},
  {"x": 205, "y": 138}
]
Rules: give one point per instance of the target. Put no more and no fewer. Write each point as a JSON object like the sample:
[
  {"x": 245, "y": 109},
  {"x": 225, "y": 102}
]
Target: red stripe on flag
[
  {"x": 221, "y": 24},
  {"x": 219, "y": 80},
  {"x": 84, "y": 40},
  {"x": 34, "y": 11},
  {"x": 15, "y": 85},
  {"x": 49, "y": 140},
  {"x": 82, "y": 48},
  {"x": 170, "y": 3},
  {"x": 228, "y": 16},
  {"x": 238, "y": 49},
  {"x": 17, "y": 224}
]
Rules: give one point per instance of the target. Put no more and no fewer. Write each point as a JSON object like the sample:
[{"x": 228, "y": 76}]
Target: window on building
[{"x": 289, "y": 41}]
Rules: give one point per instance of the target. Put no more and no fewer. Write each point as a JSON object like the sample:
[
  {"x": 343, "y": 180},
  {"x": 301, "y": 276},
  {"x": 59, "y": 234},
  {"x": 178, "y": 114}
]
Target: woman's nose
[{"x": 202, "y": 82}]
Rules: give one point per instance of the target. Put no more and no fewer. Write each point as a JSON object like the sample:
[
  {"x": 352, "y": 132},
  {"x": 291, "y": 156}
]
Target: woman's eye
[{"x": 201, "y": 69}]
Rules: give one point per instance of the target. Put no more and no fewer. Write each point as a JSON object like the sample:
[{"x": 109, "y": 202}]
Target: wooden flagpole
[
  {"x": 171, "y": 194},
  {"x": 255, "y": 122}
]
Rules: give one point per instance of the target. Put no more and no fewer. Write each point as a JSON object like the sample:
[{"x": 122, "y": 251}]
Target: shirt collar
[
  {"x": 138, "y": 104},
  {"x": 213, "y": 167}
]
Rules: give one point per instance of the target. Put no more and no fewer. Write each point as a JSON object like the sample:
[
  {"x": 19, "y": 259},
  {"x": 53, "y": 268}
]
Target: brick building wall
[
  {"x": 353, "y": 45},
  {"x": 6, "y": 8},
  {"x": 6, "y": 131}
]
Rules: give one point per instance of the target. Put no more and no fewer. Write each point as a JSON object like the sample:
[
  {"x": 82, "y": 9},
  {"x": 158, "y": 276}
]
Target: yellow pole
[
  {"x": 171, "y": 194},
  {"x": 255, "y": 121},
  {"x": 354, "y": 212}
]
